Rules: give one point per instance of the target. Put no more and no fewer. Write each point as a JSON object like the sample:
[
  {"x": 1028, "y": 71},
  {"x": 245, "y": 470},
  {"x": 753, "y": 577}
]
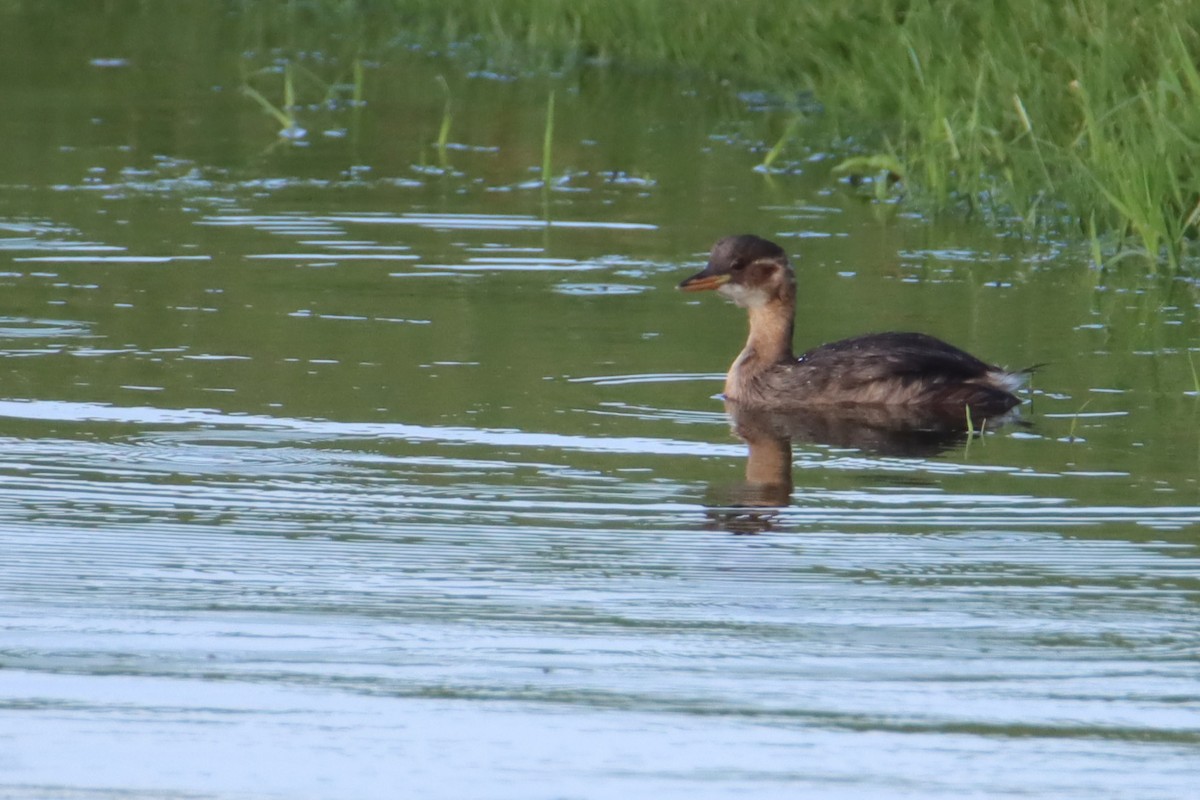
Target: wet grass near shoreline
[{"x": 1077, "y": 120}]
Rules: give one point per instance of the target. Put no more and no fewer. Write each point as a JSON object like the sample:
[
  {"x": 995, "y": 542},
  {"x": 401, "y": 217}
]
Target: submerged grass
[{"x": 1081, "y": 117}]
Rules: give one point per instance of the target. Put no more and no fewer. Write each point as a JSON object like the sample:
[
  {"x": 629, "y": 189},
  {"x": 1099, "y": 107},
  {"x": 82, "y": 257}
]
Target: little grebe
[{"x": 893, "y": 369}]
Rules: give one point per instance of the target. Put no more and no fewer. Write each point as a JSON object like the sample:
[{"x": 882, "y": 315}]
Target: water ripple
[
  {"x": 28, "y": 328},
  {"x": 446, "y": 222}
]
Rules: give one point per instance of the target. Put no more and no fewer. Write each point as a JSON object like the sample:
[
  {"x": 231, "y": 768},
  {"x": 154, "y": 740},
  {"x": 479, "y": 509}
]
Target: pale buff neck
[{"x": 769, "y": 343}]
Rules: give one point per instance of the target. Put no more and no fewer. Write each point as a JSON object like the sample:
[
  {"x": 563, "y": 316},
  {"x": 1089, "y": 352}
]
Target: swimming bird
[{"x": 898, "y": 369}]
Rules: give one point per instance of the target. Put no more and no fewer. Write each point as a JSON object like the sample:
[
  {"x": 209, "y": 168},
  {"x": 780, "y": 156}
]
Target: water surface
[{"x": 349, "y": 466}]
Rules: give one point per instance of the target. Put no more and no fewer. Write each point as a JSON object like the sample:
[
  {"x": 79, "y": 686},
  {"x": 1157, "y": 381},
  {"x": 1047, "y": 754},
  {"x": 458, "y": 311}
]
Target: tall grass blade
[
  {"x": 359, "y": 82},
  {"x": 447, "y": 118},
  {"x": 289, "y": 89},
  {"x": 548, "y": 141},
  {"x": 285, "y": 120},
  {"x": 788, "y": 132}
]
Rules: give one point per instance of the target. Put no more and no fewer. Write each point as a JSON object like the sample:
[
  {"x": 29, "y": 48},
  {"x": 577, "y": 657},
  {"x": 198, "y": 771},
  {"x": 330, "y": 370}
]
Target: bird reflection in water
[{"x": 755, "y": 504}]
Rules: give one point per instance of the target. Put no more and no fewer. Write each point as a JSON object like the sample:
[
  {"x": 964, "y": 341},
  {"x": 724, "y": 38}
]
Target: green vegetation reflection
[{"x": 1075, "y": 118}]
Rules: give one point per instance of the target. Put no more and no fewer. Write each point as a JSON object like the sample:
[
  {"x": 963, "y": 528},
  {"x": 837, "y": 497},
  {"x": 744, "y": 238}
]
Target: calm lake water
[{"x": 355, "y": 467}]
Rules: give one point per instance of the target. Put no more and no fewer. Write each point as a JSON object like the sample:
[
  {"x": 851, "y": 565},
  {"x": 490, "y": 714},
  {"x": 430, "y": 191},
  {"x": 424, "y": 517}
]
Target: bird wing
[
  {"x": 883, "y": 356},
  {"x": 891, "y": 368}
]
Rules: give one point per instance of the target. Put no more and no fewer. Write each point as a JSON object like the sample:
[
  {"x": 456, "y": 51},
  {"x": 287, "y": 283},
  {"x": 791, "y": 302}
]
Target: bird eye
[{"x": 737, "y": 266}]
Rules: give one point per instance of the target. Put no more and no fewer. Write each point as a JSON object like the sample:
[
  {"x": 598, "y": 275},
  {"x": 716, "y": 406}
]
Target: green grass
[
  {"x": 443, "y": 138},
  {"x": 548, "y": 144},
  {"x": 1079, "y": 118}
]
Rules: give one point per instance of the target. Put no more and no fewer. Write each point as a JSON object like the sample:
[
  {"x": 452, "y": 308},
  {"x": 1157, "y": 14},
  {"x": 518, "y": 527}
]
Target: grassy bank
[{"x": 1082, "y": 118}]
